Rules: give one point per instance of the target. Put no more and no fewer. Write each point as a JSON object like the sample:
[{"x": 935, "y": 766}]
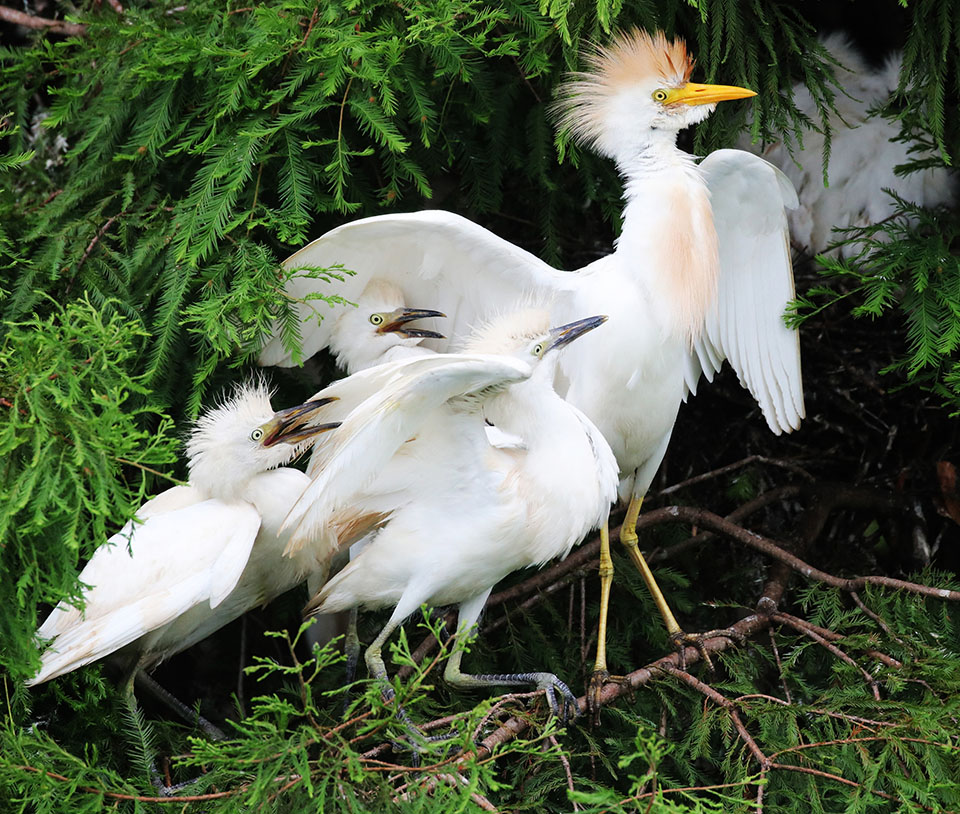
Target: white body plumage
[
  {"x": 700, "y": 274},
  {"x": 199, "y": 555},
  {"x": 448, "y": 514}
]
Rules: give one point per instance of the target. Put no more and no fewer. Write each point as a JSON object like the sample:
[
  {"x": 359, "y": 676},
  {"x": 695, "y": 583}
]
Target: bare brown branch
[{"x": 12, "y": 15}]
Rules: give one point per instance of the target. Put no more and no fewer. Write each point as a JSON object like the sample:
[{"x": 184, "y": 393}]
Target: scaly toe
[{"x": 681, "y": 641}]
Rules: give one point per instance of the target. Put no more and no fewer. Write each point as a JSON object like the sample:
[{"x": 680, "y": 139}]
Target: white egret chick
[
  {"x": 864, "y": 152},
  {"x": 447, "y": 515},
  {"x": 197, "y": 556},
  {"x": 378, "y": 329},
  {"x": 700, "y": 273}
]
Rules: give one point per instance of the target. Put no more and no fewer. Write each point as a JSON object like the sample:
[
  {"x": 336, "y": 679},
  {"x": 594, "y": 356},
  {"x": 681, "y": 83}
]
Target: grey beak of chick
[
  {"x": 291, "y": 426},
  {"x": 565, "y": 334},
  {"x": 399, "y": 319}
]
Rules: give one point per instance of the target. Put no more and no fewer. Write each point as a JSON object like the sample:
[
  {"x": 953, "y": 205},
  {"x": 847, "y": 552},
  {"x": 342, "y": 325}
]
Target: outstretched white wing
[
  {"x": 745, "y": 324},
  {"x": 439, "y": 260},
  {"x": 380, "y": 424},
  {"x": 147, "y": 575}
]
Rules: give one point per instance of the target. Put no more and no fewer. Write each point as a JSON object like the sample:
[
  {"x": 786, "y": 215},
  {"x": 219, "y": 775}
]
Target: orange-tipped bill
[{"x": 292, "y": 426}]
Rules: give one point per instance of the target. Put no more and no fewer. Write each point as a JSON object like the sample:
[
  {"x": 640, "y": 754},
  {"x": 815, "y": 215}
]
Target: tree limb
[{"x": 12, "y": 15}]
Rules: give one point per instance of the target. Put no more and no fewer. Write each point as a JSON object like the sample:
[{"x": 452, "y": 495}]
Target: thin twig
[
  {"x": 151, "y": 471},
  {"x": 723, "y": 702},
  {"x": 876, "y": 618},
  {"x": 807, "y": 631},
  {"x": 552, "y": 740},
  {"x": 776, "y": 656},
  {"x": 139, "y": 798},
  {"x": 12, "y": 15},
  {"x": 703, "y": 517},
  {"x": 96, "y": 239},
  {"x": 833, "y": 636},
  {"x": 723, "y": 470}
]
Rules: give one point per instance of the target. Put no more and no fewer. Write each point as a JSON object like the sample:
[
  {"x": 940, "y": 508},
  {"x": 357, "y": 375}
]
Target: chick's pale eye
[
  {"x": 256, "y": 435},
  {"x": 659, "y": 96},
  {"x": 376, "y": 319}
]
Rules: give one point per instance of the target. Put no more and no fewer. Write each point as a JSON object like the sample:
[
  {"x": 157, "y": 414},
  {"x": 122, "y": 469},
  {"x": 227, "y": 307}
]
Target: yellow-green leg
[
  {"x": 680, "y": 639},
  {"x": 600, "y": 673},
  {"x": 629, "y": 540}
]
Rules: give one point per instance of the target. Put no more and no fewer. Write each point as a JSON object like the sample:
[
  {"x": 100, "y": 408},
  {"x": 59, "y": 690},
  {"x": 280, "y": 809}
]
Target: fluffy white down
[
  {"x": 357, "y": 344},
  {"x": 863, "y": 155},
  {"x": 464, "y": 514},
  {"x": 198, "y": 556}
]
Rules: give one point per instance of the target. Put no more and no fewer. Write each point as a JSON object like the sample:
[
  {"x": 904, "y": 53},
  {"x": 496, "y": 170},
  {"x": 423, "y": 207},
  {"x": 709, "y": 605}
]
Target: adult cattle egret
[
  {"x": 701, "y": 272},
  {"x": 864, "y": 152},
  {"x": 198, "y": 556},
  {"x": 446, "y": 514}
]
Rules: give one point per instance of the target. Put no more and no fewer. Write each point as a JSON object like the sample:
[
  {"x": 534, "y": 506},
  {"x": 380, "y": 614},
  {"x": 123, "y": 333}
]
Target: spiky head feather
[{"x": 633, "y": 58}]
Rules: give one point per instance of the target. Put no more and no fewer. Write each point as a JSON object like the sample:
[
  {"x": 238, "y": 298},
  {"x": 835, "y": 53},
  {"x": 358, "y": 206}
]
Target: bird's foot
[
  {"x": 563, "y": 703},
  {"x": 681, "y": 641},
  {"x": 595, "y": 688},
  {"x": 416, "y": 738}
]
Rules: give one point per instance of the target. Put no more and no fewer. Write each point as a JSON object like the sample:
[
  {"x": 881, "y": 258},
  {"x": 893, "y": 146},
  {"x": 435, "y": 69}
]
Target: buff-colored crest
[{"x": 632, "y": 57}]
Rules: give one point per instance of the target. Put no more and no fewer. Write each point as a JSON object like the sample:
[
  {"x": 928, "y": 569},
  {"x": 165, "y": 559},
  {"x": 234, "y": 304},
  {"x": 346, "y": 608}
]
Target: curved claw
[
  {"x": 697, "y": 641},
  {"x": 551, "y": 684},
  {"x": 594, "y": 688}
]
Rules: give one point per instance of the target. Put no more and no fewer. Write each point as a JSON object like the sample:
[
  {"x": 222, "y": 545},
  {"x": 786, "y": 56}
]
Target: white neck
[{"x": 668, "y": 234}]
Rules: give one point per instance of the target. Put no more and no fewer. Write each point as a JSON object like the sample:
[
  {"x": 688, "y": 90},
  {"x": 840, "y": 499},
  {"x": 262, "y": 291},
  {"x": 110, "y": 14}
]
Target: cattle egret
[
  {"x": 200, "y": 555},
  {"x": 864, "y": 152},
  {"x": 378, "y": 330},
  {"x": 700, "y": 273},
  {"x": 445, "y": 514}
]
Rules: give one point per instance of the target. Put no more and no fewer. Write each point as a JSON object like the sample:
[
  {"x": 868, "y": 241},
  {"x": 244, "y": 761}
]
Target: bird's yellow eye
[
  {"x": 538, "y": 349},
  {"x": 660, "y": 95},
  {"x": 256, "y": 435},
  {"x": 376, "y": 319}
]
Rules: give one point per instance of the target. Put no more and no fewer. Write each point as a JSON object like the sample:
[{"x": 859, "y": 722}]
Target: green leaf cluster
[{"x": 78, "y": 446}]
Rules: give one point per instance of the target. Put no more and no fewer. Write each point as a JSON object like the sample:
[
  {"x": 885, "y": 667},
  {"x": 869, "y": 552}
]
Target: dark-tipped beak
[
  {"x": 291, "y": 426},
  {"x": 399, "y": 319},
  {"x": 565, "y": 334}
]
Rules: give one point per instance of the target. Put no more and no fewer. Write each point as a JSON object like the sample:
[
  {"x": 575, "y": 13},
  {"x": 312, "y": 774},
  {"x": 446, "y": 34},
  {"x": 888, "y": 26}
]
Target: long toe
[
  {"x": 681, "y": 641},
  {"x": 595, "y": 690},
  {"x": 565, "y": 707}
]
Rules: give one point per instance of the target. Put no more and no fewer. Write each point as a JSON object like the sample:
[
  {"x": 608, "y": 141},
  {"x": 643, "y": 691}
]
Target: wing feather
[
  {"x": 147, "y": 575},
  {"x": 380, "y": 424},
  {"x": 440, "y": 260},
  {"x": 749, "y": 198}
]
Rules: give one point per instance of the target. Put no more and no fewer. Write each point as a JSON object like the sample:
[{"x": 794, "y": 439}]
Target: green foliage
[
  {"x": 907, "y": 266},
  {"x": 156, "y": 170},
  {"x": 182, "y": 144},
  {"x": 664, "y": 751},
  {"x": 77, "y": 450}
]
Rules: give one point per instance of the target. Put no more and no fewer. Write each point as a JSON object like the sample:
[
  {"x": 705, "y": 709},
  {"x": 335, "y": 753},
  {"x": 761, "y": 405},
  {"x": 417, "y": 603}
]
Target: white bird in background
[
  {"x": 445, "y": 514},
  {"x": 197, "y": 556},
  {"x": 863, "y": 155},
  {"x": 700, "y": 273}
]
